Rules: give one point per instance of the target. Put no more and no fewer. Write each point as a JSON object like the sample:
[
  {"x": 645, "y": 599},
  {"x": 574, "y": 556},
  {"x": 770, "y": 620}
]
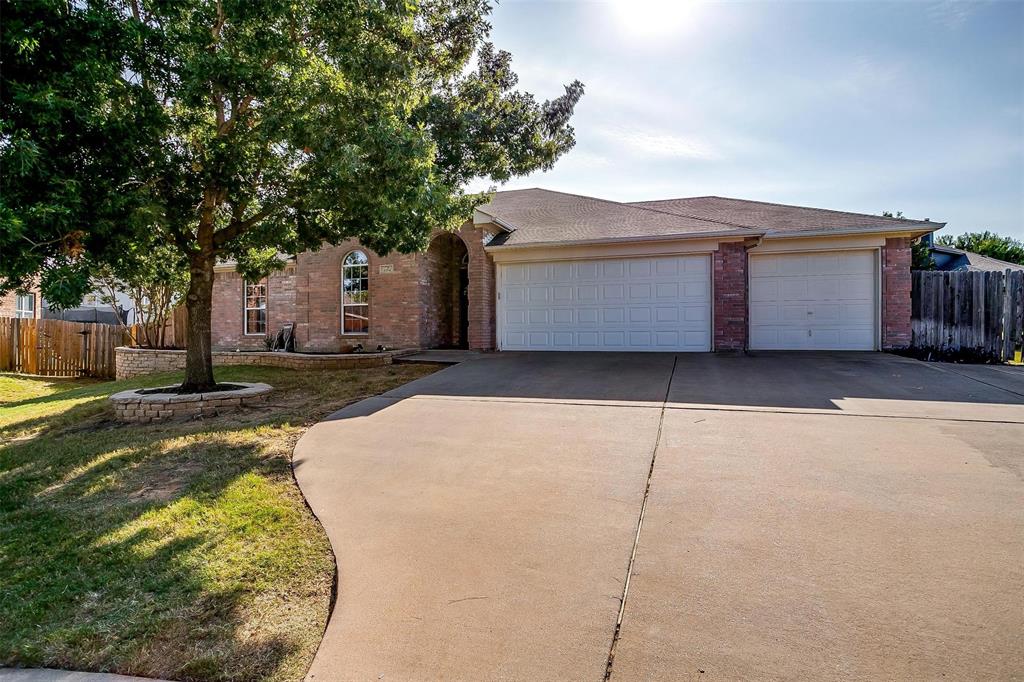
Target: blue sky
[{"x": 859, "y": 106}]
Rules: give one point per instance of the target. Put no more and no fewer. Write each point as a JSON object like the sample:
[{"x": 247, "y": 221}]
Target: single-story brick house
[{"x": 541, "y": 270}]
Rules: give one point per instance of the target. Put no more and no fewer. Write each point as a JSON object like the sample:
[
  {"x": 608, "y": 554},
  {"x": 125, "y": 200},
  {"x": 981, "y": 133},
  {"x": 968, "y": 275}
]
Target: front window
[
  {"x": 25, "y": 305},
  {"x": 256, "y": 307},
  {"x": 355, "y": 294}
]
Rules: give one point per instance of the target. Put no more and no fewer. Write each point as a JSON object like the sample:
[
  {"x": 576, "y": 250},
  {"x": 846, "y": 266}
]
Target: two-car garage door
[{"x": 635, "y": 304}]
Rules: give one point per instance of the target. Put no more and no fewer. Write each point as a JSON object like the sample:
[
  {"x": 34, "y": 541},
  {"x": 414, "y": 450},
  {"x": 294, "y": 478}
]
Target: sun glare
[{"x": 652, "y": 19}]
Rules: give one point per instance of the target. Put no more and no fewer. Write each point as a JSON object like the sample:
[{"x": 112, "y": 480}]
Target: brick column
[
  {"x": 482, "y": 297},
  {"x": 896, "y": 282},
  {"x": 730, "y": 297}
]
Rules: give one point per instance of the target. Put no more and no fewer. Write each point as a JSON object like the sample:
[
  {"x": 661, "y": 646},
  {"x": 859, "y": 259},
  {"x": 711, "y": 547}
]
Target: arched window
[{"x": 355, "y": 293}]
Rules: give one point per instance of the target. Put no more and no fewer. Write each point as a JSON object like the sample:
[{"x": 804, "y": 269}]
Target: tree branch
[{"x": 239, "y": 227}]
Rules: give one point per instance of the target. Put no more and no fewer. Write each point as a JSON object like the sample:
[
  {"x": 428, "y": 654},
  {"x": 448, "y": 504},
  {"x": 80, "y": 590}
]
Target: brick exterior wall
[
  {"x": 730, "y": 297},
  {"x": 8, "y": 304},
  {"x": 403, "y": 310},
  {"x": 896, "y": 284},
  {"x": 440, "y": 292},
  {"x": 482, "y": 289}
]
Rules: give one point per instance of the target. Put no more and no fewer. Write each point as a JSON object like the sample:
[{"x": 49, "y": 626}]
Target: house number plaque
[{"x": 387, "y": 268}]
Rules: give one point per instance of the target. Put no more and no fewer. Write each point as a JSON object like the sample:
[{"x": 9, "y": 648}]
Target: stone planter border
[
  {"x": 135, "y": 406},
  {"x": 133, "y": 362}
]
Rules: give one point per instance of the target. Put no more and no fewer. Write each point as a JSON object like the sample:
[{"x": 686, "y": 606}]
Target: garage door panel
[
  {"x": 694, "y": 314},
  {"x": 764, "y": 313},
  {"x": 764, "y": 290},
  {"x": 820, "y": 301},
  {"x": 660, "y": 303},
  {"x": 641, "y": 292},
  {"x": 666, "y": 290},
  {"x": 695, "y": 290},
  {"x": 637, "y": 314},
  {"x": 640, "y": 268}
]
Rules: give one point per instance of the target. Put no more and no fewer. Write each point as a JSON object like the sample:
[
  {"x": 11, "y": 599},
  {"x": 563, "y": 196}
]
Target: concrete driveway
[{"x": 803, "y": 515}]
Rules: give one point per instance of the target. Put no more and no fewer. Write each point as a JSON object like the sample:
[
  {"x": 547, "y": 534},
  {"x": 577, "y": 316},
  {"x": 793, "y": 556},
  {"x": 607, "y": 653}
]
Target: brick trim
[
  {"x": 729, "y": 297},
  {"x": 896, "y": 285}
]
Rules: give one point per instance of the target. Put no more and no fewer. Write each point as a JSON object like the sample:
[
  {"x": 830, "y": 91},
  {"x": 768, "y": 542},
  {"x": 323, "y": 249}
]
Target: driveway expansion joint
[{"x": 639, "y": 526}]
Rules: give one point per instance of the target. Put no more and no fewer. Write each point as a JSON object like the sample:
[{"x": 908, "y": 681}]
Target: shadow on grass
[{"x": 148, "y": 550}]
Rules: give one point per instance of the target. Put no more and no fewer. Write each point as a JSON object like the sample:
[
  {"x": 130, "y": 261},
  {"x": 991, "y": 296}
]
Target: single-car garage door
[
  {"x": 814, "y": 301},
  {"x": 638, "y": 304}
]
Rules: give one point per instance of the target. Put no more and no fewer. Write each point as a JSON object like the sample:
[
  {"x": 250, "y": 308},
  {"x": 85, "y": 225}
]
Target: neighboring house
[
  {"x": 25, "y": 305},
  {"x": 542, "y": 270},
  {"x": 948, "y": 258},
  {"x": 94, "y": 309}
]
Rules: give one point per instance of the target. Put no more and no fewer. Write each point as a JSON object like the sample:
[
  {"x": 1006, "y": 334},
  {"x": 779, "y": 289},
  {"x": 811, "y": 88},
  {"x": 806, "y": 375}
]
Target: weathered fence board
[
  {"x": 977, "y": 313},
  {"x": 58, "y": 348}
]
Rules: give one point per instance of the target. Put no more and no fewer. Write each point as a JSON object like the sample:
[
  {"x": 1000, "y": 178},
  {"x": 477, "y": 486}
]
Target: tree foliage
[
  {"x": 155, "y": 279},
  {"x": 920, "y": 256},
  {"x": 987, "y": 244},
  {"x": 238, "y": 129}
]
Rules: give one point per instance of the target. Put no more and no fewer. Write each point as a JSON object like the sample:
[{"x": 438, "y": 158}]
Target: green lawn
[{"x": 182, "y": 551}]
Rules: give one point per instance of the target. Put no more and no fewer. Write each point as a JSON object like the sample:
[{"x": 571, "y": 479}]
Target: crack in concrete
[{"x": 639, "y": 526}]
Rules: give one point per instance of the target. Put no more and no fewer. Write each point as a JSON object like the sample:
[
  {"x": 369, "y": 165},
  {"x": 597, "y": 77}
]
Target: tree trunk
[{"x": 199, "y": 303}]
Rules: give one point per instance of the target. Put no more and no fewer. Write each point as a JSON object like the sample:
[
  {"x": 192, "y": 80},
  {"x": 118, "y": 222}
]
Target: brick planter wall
[
  {"x": 136, "y": 407},
  {"x": 133, "y": 362}
]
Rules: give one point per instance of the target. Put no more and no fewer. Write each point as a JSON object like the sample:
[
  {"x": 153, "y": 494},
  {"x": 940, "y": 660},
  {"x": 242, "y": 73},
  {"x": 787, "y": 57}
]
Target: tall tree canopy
[
  {"x": 243, "y": 128},
  {"x": 987, "y": 244}
]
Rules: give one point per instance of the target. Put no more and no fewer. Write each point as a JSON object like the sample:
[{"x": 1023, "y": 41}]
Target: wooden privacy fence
[
  {"x": 968, "y": 313},
  {"x": 57, "y": 348}
]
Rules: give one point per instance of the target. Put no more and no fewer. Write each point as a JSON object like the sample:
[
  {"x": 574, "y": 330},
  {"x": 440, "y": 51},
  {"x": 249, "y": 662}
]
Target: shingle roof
[
  {"x": 782, "y": 219},
  {"x": 540, "y": 216},
  {"x": 975, "y": 262}
]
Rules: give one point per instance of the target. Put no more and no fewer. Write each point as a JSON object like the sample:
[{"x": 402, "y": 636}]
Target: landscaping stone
[
  {"x": 133, "y": 362},
  {"x": 135, "y": 406}
]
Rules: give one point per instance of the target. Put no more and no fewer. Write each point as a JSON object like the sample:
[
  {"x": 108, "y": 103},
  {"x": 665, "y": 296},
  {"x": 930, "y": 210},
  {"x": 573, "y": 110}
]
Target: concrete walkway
[
  {"x": 804, "y": 515},
  {"x": 51, "y": 675}
]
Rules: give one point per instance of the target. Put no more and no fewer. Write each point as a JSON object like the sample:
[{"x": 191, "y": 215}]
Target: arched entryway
[{"x": 446, "y": 319}]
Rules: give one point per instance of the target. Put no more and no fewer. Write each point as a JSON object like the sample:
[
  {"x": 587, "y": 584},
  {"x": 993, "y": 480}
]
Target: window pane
[
  {"x": 25, "y": 305},
  {"x": 256, "y": 307},
  {"x": 356, "y": 258},
  {"x": 355, "y": 293},
  {"x": 256, "y": 321},
  {"x": 356, "y": 319}
]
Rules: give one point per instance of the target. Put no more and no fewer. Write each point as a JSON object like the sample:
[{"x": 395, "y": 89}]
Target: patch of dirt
[{"x": 164, "y": 484}]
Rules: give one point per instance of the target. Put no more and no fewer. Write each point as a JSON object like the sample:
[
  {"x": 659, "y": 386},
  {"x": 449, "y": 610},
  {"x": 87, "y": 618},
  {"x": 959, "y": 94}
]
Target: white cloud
[
  {"x": 653, "y": 143},
  {"x": 953, "y": 13}
]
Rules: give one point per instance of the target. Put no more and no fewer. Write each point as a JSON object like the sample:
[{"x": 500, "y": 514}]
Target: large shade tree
[{"x": 240, "y": 129}]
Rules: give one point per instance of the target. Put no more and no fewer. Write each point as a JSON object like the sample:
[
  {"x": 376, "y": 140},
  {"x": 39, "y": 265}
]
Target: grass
[{"x": 181, "y": 550}]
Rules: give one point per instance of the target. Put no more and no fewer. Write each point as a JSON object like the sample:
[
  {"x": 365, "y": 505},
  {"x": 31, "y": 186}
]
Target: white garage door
[
  {"x": 635, "y": 304},
  {"x": 813, "y": 301}
]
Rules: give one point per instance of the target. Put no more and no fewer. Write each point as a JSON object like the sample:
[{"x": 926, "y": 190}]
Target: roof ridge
[
  {"x": 645, "y": 208},
  {"x": 810, "y": 208}
]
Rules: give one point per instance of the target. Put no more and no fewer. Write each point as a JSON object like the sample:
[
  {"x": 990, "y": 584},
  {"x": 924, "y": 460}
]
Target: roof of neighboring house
[
  {"x": 541, "y": 216},
  {"x": 783, "y": 219},
  {"x": 974, "y": 262},
  {"x": 546, "y": 217}
]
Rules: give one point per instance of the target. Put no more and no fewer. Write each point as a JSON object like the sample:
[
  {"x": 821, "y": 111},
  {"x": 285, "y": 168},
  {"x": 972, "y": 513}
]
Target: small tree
[
  {"x": 156, "y": 281},
  {"x": 243, "y": 128},
  {"x": 987, "y": 244}
]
